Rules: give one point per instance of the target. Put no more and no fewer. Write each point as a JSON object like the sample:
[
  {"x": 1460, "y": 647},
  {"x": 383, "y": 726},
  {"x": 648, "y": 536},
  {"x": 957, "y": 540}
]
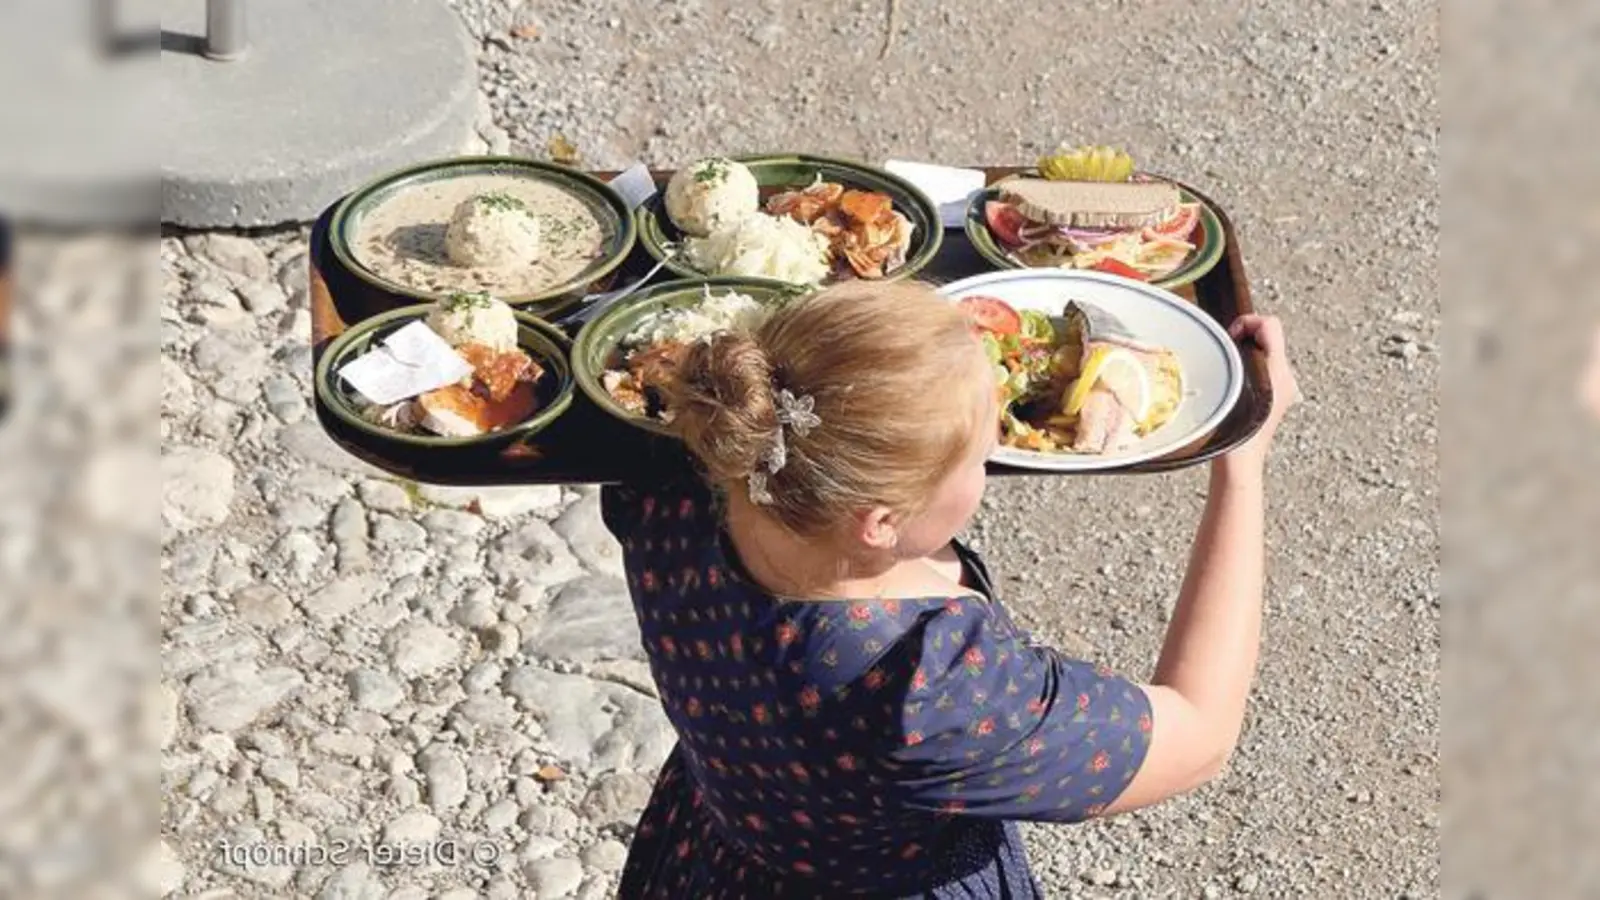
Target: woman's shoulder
[
  {"x": 834, "y": 642},
  {"x": 630, "y": 508}
]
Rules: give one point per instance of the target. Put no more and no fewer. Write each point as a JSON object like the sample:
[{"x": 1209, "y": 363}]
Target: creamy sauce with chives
[{"x": 402, "y": 239}]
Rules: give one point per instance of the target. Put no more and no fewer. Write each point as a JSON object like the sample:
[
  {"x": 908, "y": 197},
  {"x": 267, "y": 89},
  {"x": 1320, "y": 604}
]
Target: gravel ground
[{"x": 351, "y": 657}]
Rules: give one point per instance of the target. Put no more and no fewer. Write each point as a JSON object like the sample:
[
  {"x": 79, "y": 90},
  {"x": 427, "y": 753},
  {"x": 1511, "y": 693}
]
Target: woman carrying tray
[{"x": 857, "y": 715}]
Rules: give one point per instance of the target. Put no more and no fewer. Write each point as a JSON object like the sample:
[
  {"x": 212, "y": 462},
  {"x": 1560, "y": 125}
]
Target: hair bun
[{"x": 722, "y": 404}]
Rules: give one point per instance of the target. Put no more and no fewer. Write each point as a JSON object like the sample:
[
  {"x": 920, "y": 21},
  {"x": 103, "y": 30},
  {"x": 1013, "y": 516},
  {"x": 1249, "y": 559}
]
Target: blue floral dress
[{"x": 836, "y": 748}]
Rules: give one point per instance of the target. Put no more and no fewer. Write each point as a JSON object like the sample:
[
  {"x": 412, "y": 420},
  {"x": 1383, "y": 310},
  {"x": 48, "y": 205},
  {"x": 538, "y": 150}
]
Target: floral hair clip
[{"x": 798, "y": 413}]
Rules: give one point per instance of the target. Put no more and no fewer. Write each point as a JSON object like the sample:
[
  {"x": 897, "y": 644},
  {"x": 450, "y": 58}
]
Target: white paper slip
[
  {"x": 410, "y": 362},
  {"x": 635, "y": 185},
  {"x": 949, "y": 188}
]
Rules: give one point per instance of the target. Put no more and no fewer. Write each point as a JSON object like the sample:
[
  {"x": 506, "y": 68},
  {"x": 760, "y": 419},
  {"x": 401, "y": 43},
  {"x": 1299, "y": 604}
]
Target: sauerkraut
[
  {"x": 763, "y": 246},
  {"x": 730, "y": 311}
]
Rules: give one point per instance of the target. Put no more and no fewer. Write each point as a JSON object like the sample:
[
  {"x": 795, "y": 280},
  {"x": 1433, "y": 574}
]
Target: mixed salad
[{"x": 1077, "y": 384}]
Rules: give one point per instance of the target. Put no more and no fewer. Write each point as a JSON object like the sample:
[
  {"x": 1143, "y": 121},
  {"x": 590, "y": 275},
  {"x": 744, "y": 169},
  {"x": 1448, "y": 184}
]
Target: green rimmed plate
[
  {"x": 543, "y": 341},
  {"x": 778, "y": 172},
  {"x": 598, "y": 342},
  {"x": 1207, "y": 253},
  {"x": 390, "y": 232}
]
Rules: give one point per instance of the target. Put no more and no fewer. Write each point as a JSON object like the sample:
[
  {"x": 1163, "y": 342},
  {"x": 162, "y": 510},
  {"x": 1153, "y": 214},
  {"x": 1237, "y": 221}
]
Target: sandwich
[{"x": 1138, "y": 229}]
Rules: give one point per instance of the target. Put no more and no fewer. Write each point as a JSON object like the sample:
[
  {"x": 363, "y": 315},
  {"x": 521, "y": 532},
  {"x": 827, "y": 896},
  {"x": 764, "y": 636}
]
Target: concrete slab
[
  {"x": 328, "y": 95},
  {"x": 77, "y": 125}
]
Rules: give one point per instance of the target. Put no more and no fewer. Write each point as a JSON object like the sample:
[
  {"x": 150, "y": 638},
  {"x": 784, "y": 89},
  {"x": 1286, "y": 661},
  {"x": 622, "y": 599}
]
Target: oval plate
[
  {"x": 616, "y": 221},
  {"x": 544, "y": 342},
  {"x": 599, "y": 339},
  {"x": 778, "y": 172},
  {"x": 1202, "y": 260},
  {"x": 1213, "y": 373}
]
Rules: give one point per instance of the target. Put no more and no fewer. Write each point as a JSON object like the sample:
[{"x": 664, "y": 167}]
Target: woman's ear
[{"x": 879, "y": 528}]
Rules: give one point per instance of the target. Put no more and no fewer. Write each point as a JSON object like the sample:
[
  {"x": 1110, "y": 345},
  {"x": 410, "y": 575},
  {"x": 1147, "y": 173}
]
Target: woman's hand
[{"x": 1267, "y": 333}]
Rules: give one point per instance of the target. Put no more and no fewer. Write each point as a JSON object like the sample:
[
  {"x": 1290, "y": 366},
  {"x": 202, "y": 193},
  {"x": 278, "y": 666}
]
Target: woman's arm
[
  {"x": 1197, "y": 697},
  {"x": 1202, "y": 680}
]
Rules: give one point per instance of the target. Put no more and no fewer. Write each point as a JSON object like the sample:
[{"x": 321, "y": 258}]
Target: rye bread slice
[{"x": 1092, "y": 204}]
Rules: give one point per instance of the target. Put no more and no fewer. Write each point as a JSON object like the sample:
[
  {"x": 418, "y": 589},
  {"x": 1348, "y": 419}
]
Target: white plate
[{"x": 1213, "y": 373}]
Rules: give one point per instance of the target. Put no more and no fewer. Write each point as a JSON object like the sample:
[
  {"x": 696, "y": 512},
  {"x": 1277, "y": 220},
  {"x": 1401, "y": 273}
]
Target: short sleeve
[{"x": 995, "y": 726}]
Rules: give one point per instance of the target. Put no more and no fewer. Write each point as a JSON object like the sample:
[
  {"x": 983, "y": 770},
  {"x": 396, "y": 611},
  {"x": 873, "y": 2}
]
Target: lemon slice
[{"x": 1121, "y": 373}]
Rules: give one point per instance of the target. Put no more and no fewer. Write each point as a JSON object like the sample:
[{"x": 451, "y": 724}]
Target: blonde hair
[{"x": 892, "y": 371}]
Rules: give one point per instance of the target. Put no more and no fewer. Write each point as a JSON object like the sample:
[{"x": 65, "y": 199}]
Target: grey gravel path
[{"x": 348, "y": 656}]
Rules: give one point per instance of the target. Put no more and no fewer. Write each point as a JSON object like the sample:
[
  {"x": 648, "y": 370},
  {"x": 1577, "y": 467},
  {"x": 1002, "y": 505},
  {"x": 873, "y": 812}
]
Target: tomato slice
[
  {"x": 1180, "y": 226},
  {"x": 1005, "y": 221},
  {"x": 1112, "y": 267},
  {"x": 992, "y": 314}
]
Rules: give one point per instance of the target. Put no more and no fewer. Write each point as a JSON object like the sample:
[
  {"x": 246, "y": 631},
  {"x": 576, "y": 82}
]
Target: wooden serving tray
[{"x": 586, "y": 445}]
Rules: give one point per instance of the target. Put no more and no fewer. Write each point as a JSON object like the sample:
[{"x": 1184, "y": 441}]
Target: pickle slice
[{"x": 1087, "y": 164}]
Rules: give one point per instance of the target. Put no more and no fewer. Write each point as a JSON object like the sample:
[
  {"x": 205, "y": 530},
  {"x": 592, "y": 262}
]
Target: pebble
[
  {"x": 451, "y": 526},
  {"x": 301, "y": 555},
  {"x": 356, "y": 881},
  {"x": 1247, "y": 882},
  {"x": 284, "y": 398},
  {"x": 341, "y": 597},
  {"x": 1103, "y": 877},
  {"x": 617, "y": 798},
  {"x": 219, "y": 748},
  {"x": 280, "y": 772},
  {"x": 385, "y": 496},
  {"x": 263, "y": 298},
  {"x": 534, "y": 554},
  {"x": 420, "y": 649},
  {"x": 482, "y": 677},
  {"x": 236, "y": 254},
  {"x": 297, "y": 511},
  {"x": 166, "y": 715},
  {"x": 552, "y": 879},
  {"x": 414, "y": 827},
  {"x": 197, "y": 488},
  {"x": 590, "y": 619},
  {"x": 572, "y": 710},
  {"x": 538, "y": 847},
  {"x": 391, "y": 533},
  {"x": 232, "y": 698},
  {"x": 262, "y": 605},
  {"x": 555, "y": 821},
  {"x": 500, "y": 815},
  {"x": 374, "y": 690},
  {"x": 343, "y": 745},
  {"x": 349, "y": 530},
  {"x": 309, "y": 442},
  {"x": 606, "y": 856},
  {"x": 445, "y": 776},
  {"x": 585, "y": 532}
]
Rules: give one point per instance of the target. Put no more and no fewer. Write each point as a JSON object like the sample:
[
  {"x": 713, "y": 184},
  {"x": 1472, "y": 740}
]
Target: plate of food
[
  {"x": 524, "y": 231},
  {"x": 623, "y": 357},
  {"x": 466, "y": 371},
  {"x": 1098, "y": 371},
  {"x": 1088, "y": 209},
  {"x": 796, "y": 219}
]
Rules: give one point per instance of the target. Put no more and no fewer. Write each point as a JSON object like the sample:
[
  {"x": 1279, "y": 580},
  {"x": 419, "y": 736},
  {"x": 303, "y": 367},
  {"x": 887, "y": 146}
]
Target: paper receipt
[{"x": 409, "y": 363}]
